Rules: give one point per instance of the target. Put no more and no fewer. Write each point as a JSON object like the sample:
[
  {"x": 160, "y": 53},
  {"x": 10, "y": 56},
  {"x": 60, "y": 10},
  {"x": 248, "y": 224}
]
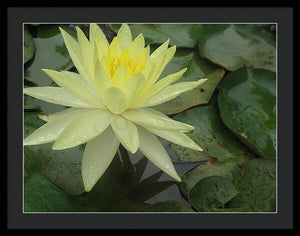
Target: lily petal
[
  {"x": 74, "y": 52},
  {"x": 102, "y": 80},
  {"x": 151, "y": 79},
  {"x": 115, "y": 100},
  {"x": 169, "y": 55},
  {"x": 126, "y": 132},
  {"x": 114, "y": 50},
  {"x": 124, "y": 36},
  {"x": 172, "y": 92},
  {"x": 150, "y": 120},
  {"x": 56, "y": 115},
  {"x": 50, "y": 131},
  {"x": 120, "y": 76},
  {"x": 149, "y": 69},
  {"x": 98, "y": 39},
  {"x": 159, "y": 86},
  {"x": 85, "y": 82},
  {"x": 166, "y": 81},
  {"x": 56, "y": 95},
  {"x": 97, "y": 157},
  {"x": 159, "y": 51},
  {"x": 83, "y": 129},
  {"x": 74, "y": 86},
  {"x": 176, "y": 137},
  {"x": 132, "y": 87},
  {"x": 87, "y": 53},
  {"x": 136, "y": 46},
  {"x": 155, "y": 152}
]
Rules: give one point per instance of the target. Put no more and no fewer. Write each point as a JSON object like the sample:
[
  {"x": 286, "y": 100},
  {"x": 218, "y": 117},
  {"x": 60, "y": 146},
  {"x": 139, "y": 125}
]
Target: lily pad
[
  {"x": 181, "y": 35},
  {"x": 197, "y": 68},
  {"x": 29, "y": 47},
  {"x": 211, "y": 134},
  {"x": 167, "y": 206},
  {"x": 210, "y": 186},
  {"x": 61, "y": 167},
  {"x": 247, "y": 103},
  {"x": 235, "y": 45},
  {"x": 40, "y": 195},
  {"x": 207, "y": 169},
  {"x": 34, "y": 158},
  {"x": 51, "y": 53},
  {"x": 212, "y": 193},
  {"x": 257, "y": 186}
]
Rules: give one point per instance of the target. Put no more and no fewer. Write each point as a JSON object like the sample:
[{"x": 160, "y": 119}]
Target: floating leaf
[
  {"x": 208, "y": 169},
  {"x": 181, "y": 35},
  {"x": 40, "y": 195},
  {"x": 197, "y": 68},
  {"x": 51, "y": 53},
  {"x": 257, "y": 186},
  {"x": 211, "y": 134},
  {"x": 247, "y": 103},
  {"x": 235, "y": 45},
  {"x": 62, "y": 167},
  {"x": 212, "y": 193},
  {"x": 167, "y": 206},
  {"x": 34, "y": 157},
  {"x": 29, "y": 47}
]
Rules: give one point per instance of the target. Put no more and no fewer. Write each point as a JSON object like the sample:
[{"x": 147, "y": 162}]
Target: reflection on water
[{"x": 172, "y": 192}]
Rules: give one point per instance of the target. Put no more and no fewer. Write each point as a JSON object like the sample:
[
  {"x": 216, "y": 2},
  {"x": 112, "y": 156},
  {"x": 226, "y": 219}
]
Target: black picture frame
[{"x": 16, "y": 16}]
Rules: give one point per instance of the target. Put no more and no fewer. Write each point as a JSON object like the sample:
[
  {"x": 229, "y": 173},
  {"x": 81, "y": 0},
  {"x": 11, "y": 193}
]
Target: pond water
[{"x": 172, "y": 192}]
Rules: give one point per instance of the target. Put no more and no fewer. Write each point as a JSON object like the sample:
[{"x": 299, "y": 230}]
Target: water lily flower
[{"x": 110, "y": 100}]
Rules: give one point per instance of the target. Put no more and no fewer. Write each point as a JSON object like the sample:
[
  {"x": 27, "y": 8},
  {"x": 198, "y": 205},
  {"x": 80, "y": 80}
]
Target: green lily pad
[
  {"x": 167, "y": 206},
  {"x": 29, "y": 47},
  {"x": 210, "y": 186},
  {"x": 210, "y": 168},
  {"x": 197, "y": 68},
  {"x": 40, "y": 195},
  {"x": 62, "y": 167},
  {"x": 34, "y": 158},
  {"x": 211, "y": 134},
  {"x": 51, "y": 53},
  {"x": 212, "y": 193},
  {"x": 235, "y": 45},
  {"x": 247, "y": 103},
  {"x": 181, "y": 35},
  {"x": 257, "y": 186}
]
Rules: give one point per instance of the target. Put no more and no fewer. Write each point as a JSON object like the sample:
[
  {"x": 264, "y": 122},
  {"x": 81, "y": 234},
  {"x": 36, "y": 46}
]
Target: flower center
[{"x": 133, "y": 64}]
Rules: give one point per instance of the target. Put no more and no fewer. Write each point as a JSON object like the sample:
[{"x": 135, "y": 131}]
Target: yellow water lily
[{"x": 109, "y": 102}]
